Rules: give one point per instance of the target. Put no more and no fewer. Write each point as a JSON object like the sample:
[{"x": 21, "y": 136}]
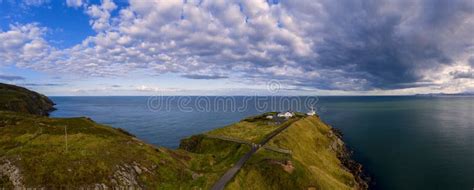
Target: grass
[
  {"x": 324, "y": 169},
  {"x": 314, "y": 156},
  {"x": 212, "y": 157},
  {"x": 94, "y": 154},
  {"x": 263, "y": 171},
  {"x": 252, "y": 129},
  {"x": 37, "y": 145}
]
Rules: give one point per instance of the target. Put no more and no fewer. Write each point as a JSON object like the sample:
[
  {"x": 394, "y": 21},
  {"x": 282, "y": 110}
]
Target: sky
[{"x": 238, "y": 47}]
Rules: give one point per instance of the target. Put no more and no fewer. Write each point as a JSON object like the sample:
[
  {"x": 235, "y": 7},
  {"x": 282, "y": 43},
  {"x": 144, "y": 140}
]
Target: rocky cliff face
[{"x": 18, "y": 99}]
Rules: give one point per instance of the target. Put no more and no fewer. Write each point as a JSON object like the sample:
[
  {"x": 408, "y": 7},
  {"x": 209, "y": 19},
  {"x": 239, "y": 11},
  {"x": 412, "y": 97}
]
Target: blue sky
[
  {"x": 237, "y": 47},
  {"x": 68, "y": 26}
]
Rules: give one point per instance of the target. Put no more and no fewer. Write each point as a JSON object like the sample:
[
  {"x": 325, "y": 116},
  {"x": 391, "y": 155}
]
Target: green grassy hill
[
  {"x": 41, "y": 152},
  {"x": 91, "y": 155},
  {"x": 316, "y": 161},
  {"x": 19, "y": 99}
]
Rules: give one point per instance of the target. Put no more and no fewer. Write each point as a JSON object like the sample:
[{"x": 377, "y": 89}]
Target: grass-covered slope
[
  {"x": 252, "y": 129},
  {"x": 317, "y": 161},
  {"x": 41, "y": 152},
  {"x": 211, "y": 157},
  {"x": 36, "y": 152},
  {"x": 18, "y": 99}
]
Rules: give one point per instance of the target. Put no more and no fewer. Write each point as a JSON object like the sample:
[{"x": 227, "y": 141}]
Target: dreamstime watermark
[
  {"x": 273, "y": 86},
  {"x": 273, "y": 102}
]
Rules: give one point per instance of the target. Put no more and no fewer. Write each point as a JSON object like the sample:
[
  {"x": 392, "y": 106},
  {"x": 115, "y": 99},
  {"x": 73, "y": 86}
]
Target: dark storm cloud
[
  {"x": 462, "y": 74},
  {"x": 11, "y": 77},
  {"x": 206, "y": 77},
  {"x": 388, "y": 44}
]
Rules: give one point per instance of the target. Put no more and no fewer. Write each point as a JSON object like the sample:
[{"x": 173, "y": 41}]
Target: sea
[{"x": 403, "y": 142}]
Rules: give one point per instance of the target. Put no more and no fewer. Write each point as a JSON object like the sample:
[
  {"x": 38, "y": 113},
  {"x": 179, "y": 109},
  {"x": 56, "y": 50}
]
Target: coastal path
[
  {"x": 240, "y": 141},
  {"x": 220, "y": 184}
]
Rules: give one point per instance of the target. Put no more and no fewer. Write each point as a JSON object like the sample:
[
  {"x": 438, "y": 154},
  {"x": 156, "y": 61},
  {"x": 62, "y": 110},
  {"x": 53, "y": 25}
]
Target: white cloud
[
  {"x": 75, "y": 3},
  {"x": 300, "y": 43},
  {"x": 100, "y": 15},
  {"x": 23, "y": 44}
]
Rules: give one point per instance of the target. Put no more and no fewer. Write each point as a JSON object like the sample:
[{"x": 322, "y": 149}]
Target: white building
[
  {"x": 311, "y": 112},
  {"x": 269, "y": 117},
  {"x": 286, "y": 114}
]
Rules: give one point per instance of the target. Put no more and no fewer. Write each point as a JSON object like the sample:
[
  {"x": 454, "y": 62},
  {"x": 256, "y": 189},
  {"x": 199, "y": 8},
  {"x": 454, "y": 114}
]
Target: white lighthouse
[{"x": 311, "y": 112}]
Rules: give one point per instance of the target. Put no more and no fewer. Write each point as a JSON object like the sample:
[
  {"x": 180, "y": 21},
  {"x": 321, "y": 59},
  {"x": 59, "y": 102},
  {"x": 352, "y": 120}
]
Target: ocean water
[{"x": 403, "y": 142}]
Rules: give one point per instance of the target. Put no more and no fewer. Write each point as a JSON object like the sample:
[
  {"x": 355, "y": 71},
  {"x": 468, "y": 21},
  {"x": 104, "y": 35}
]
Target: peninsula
[{"x": 259, "y": 152}]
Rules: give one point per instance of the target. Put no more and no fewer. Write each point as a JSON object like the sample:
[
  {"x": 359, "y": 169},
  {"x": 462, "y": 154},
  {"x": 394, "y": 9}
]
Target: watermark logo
[
  {"x": 272, "y": 102},
  {"x": 273, "y": 86}
]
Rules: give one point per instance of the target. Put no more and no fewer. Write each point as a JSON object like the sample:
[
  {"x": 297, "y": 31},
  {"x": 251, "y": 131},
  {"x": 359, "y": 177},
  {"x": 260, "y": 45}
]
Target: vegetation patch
[
  {"x": 18, "y": 99},
  {"x": 253, "y": 129}
]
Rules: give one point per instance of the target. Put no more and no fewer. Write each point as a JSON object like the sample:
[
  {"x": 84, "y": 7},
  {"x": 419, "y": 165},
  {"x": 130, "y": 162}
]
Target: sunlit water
[{"x": 403, "y": 142}]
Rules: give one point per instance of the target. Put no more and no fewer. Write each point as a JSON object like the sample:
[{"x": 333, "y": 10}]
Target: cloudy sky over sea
[{"x": 227, "y": 47}]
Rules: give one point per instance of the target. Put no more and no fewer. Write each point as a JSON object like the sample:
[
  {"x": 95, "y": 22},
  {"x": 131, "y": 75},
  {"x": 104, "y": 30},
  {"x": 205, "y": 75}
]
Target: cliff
[{"x": 19, "y": 99}]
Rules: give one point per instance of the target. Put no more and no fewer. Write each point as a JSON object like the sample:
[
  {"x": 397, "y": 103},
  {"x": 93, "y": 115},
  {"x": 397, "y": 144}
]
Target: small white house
[
  {"x": 311, "y": 112},
  {"x": 269, "y": 117},
  {"x": 286, "y": 114}
]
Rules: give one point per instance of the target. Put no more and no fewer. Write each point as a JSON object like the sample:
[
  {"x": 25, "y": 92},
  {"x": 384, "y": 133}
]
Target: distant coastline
[{"x": 464, "y": 94}]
